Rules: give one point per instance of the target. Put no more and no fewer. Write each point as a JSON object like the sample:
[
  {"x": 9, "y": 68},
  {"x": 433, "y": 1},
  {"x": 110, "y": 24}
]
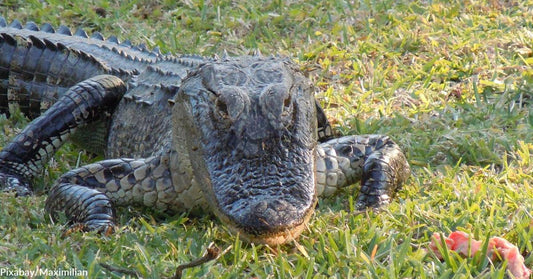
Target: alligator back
[
  {"x": 141, "y": 125},
  {"x": 37, "y": 65}
]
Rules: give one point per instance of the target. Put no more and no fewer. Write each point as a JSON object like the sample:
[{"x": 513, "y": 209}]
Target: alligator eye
[
  {"x": 222, "y": 108},
  {"x": 287, "y": 102},
  {"x": 287, "y": 105}
]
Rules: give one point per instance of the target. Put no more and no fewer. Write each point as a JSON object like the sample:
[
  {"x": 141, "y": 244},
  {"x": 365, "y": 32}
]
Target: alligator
[{"x": 242, "y": 137}]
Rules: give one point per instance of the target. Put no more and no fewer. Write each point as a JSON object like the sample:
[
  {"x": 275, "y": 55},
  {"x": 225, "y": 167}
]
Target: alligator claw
[
  {"x": 106, "y": 229},
  {"x": 365, "y": 202},
  {"x": 11, "y": 183}
]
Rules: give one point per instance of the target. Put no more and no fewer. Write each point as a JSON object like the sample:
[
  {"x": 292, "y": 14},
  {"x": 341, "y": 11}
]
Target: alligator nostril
[
  {"x": 270, "y": 215},
  {"x": 278, "y": 205},
  {"x": 261, "y": 206}
]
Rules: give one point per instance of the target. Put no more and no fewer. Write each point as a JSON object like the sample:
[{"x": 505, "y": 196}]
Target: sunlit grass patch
[{"x": 450, "y": 81}]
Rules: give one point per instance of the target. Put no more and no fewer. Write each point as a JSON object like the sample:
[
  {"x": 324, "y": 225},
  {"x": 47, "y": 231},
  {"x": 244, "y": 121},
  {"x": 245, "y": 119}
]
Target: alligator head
[{"x": 248, "y": 125}]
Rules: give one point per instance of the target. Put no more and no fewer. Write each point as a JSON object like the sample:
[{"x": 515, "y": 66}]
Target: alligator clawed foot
[
  {"x": 11, "y": 183},
  {"x": 370, "y": 202},
  {"x": 105, "y": 229},
  {"x": 86, "y": 209}
]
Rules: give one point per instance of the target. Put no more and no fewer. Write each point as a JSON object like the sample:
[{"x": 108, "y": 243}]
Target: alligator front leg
[
  {"x": 87, "y": 194},
  {"x": 23, "y": 158},
  {"x": 374, "y": 160},
  {"x": 84, "y": 206}
]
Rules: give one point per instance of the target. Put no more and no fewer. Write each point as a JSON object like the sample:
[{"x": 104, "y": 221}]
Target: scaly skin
[{"x": 242, "y": 137}]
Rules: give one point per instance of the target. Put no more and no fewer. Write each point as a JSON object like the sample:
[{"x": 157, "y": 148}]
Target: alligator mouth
[
  {"x": 276, "y": 238},
  {"x": 268, "y": 222},
  {"x": 271, "y": 220},
  {"x": 275, "y": 235}
]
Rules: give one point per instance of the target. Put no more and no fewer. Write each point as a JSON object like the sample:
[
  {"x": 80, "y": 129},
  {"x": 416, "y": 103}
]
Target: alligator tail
[{"x": 35, "y": 72}]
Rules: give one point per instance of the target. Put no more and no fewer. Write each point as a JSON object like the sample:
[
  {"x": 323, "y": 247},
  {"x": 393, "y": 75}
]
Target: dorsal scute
[
  {"x": 9, "y": 39},
  {"x": 81, "y": 33},
  {"x": 64, "y": 30},
  {"x": 97, "y": 36},
  {"x": 15, "y": 24},
  {"x": 113, "y": 39},
  {"x": 48, "y": 28},
  {"x": 126, "y": 43},
  {"x": 37, "y": 42},
  {"x": 30, "y": 25},
  {"x": 94, "y": 43},
  {"x": 156, "y": 51},
  {"x": 49, "y": 44}
]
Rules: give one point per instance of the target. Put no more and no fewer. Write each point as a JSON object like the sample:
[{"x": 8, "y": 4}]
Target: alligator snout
[
  {"x": 264, "y": 203},
  {"x": 268, "y": 216},
  {"x": 271, "y": 221}
]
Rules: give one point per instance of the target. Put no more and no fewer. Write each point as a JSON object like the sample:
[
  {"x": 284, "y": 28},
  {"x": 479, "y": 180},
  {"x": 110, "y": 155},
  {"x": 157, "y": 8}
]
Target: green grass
[{"x": 450, "y": 81}]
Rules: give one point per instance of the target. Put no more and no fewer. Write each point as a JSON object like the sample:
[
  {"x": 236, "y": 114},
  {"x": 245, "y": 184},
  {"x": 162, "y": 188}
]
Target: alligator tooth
[
  {"x": 15, "y": 24},
  {"x": 64, "y": 30},
  {"x": 113, "y": 39},
  {"x": 81, "y": 33},
  {"x": 30, "y": 25},
  {"x": 3, "y": 22},
  {"x": 47, "y": 27},
  {"x": 258, "y": 53},
  {"x": 97, "y": 36}
]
